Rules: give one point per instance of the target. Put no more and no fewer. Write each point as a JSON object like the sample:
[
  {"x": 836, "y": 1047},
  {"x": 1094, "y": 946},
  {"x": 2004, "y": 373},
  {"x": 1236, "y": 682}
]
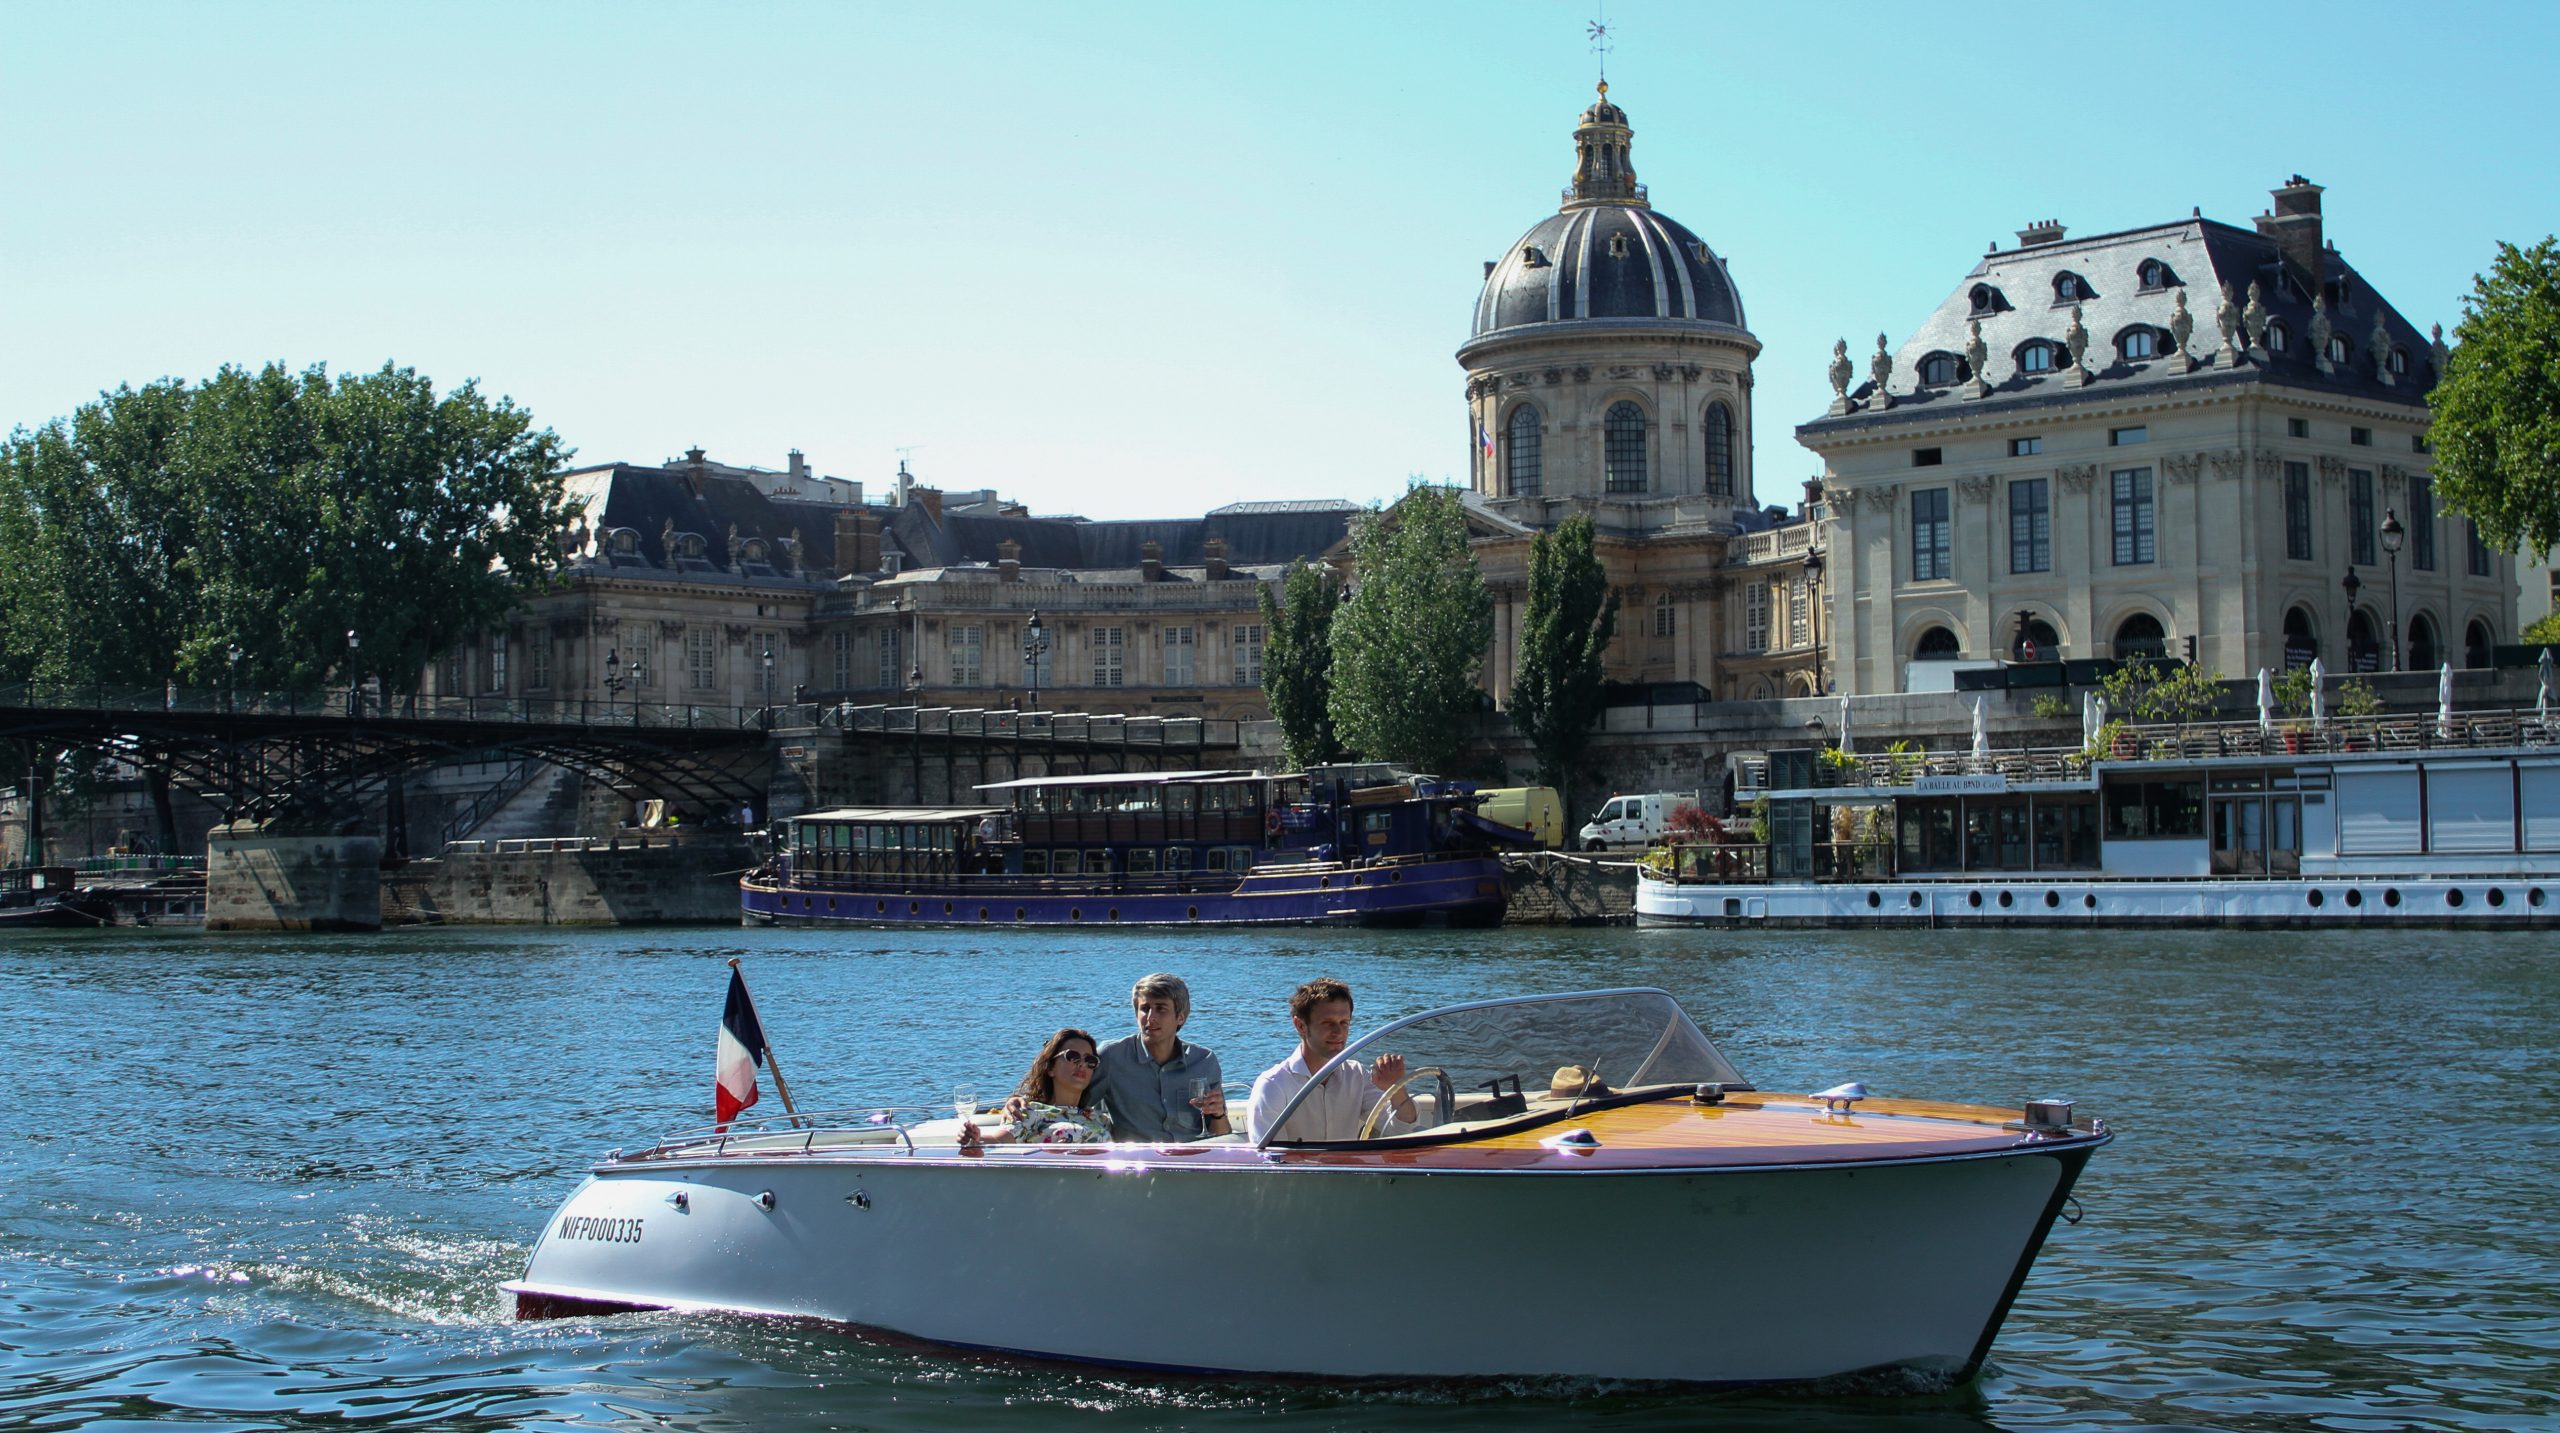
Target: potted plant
[
  {"x": 2359, "y": 701},
  {"x": 1836, "y": 766},
  {"x": 1908, "y": 757},
  {"x": 2293, "y": 697}
]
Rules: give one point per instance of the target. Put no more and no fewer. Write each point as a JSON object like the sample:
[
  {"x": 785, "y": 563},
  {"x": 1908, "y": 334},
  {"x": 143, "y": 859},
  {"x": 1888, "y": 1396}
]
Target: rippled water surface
[{"x": 262, "y": 1182}]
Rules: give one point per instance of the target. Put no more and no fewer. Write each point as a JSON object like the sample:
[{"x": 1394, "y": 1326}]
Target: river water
[{"x": 274, "y": 1182}]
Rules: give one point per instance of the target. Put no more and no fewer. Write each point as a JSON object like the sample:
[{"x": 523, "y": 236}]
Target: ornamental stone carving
[
  {"x": 2182, "y": 467},
  {"x": 2076, "y": 477},
  {"x": 734, "y": 631},
  {"x": 2182, "y": 326},
  {"x": 1622, "y": 372},
  {"x": 1977, "y": 354},
  {"x": 1842, "y": 500},
  {"x": 670, "y": 630},
  {"x": 2270, "y": 464},
  {"x": 2395, "y": 480},
  {"x": 2320, "y": 335},
  {"x": 1690, "y": 371},
  {"x": 667, "y": 543},
  {"x": 1582, "y": 373},
  {"x": 1880, "y": 373},
  {"x": 1662, "y": 372},
  {"x": 1975, "y": 489},
  {"x": 2227, "y": 321},
  {"x": 1554, "y": 376},
  {"x": 2230, "y": 463},
  {"x": 1523, "y": 380},
  {"x": 2076, "y": 339},
  {"x": 1842, "y": 370},
  {"x": 2333, "y": 470},
  {"x": 2439, "y": 351},
  {"x": 2378, "y": 346},
  {"x": 2256, "y": 316}
]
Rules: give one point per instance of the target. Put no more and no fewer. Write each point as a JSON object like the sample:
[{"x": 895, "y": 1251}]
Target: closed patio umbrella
[
  {"x": 2266, "y": 700},
  {"x": 1844, "y": 723},
  {"x": 2542, "y": 702},
  {"x": 2319, "y": 696},
  {"x": 1981, "y": 729},
  {"x": 2088, "y": 717},
  {"x": 2444, "y": 701}
]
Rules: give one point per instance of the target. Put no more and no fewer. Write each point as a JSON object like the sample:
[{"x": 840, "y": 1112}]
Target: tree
[
  {"x": 1572, "y": 613},
  {"x": 2544, "y": 632},
  {"x": 2496, "y": 426},
  {"x": 1410, "y": 637},
  {"x": 1297, "y": 660}
]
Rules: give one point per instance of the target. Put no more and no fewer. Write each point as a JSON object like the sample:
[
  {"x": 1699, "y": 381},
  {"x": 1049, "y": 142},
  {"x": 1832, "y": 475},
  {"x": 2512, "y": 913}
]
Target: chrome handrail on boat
[{"x": 809, "y": 1124}]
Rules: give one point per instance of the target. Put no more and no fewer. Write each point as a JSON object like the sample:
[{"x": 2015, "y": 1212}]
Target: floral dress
[{"x": 1057, "y": 1124}]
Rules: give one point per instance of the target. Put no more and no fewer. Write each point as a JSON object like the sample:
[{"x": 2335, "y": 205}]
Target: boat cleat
[{"x": 1838, "y": 1099}]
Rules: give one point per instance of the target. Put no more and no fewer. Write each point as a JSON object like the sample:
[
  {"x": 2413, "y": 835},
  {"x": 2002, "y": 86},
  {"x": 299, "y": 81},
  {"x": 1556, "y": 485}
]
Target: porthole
[
  {"x": 2453, "y": 898},
  {"x": 1191, "y": 912},
  {"x": 1324, "y": 883},
  {"x": 2391, "y": 896},
  {"x": 1915, "y": 900},
  {"x": 2497, "y": 896},
  {"x": 2006, "y": 900},
  {"x": 2052, "y": 900},
  {"x": 1394, "y": 876},
  {"x": 1973, "y": 899},
  {"x": 946, "y": 907},
  {"x": 915, "y": 908},
  {"x": 2533, "y": 898},
  {"x": 831, "y": 905},
  {"x": 2355, "y": 899},
  {"x": 1114, "y": 913},
  {"x": 879, "y": 908},
  {"x": 1875, "y": 900},
  {"x": 1075, "y": 913},
  {"x": 1017, "y": 912},
  {"x": 2089, "y": 901},
  {"x": 982, "y": 912},
  {"x": 2315, "y": 899}
]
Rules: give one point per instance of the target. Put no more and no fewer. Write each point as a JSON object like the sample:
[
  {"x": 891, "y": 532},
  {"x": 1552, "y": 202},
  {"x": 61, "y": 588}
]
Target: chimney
[
  {"x": 1217, "y": 556},
  {"x": 694, "y": 474},
  {"x": 2294, "y": 226},
  {"x": 1151, "y": 561},
  {"x": 857, "y": 541},
  {"x": 930, "y": 499},
  {"x": 799, "y": 466},
  {"x": 2042, "y": 231},
  {"x": 1009, "y": 561}
]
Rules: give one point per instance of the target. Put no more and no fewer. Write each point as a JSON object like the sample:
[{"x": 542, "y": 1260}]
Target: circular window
[
  {"x": 879, "y": 908},
  {"x": 2453, "y": 898},
  {"x": 2533, "y": 898},
  {"x": 2497, "y": 897},
  {"x": 946, "y": 907},
  {"x": 2052, "y": 900},
  {"x": 2355, "y": 899},
  {"x": 1394, "y": 876},
  {"x": 1973, "y": 899},
  {"x": 1191, "y": 912},
  {"x": 1875, "y": 900},
  {"x": 2005, "y": 900},
  {"x": 2391, "y": 896},
  {"x": 915, "y": 908},
  {"x": 1114, "y": 913},
  {"x": 1017, "y": 912},
  {"x": 982, "y": 912},
  {"x": 2089, "y": 901},
  {"x": 2315, "y": 898},
  {"x": 1915, "y": 900}
]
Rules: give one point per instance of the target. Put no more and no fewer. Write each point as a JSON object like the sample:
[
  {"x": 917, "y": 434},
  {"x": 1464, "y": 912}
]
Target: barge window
[
  {"x": 2143, "y": 810},
  {"x": 1035, "y": 863},
  {"x": 1177, "y": 859},
  {"x": 1142, "y": 860}
]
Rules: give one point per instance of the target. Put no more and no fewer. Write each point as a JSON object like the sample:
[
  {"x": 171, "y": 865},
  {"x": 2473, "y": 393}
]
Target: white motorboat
[{"x": 1664, "y": 1222}]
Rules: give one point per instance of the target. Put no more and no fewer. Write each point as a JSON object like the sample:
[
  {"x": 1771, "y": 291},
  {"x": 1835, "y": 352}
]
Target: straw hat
[{"x": 1574, "y": 1082}]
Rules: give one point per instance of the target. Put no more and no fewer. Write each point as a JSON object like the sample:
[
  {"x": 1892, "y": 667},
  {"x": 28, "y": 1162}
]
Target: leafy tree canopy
[
  {"x": 1571, "y": 614},
  {"x": 2496, "y": 429},
  {"x": 1297, "y": 660},
  {"x": 1411, "y": 636},
  {"x": 150, "y": 533}
]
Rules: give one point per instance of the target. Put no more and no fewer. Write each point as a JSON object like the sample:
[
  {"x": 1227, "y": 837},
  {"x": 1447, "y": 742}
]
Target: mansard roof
[{"x": 649, "y": 499}]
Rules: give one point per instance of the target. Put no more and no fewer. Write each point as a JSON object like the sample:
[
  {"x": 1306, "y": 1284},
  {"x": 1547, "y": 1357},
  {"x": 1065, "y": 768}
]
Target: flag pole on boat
[{"x": 743, "y": 1047}]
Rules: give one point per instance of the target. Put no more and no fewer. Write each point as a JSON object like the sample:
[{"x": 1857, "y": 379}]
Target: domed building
[{"x": 1609, "y": 375}]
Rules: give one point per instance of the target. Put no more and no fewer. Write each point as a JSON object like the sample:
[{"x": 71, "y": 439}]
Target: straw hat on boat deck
[{"x": 1576, "y": 1083}]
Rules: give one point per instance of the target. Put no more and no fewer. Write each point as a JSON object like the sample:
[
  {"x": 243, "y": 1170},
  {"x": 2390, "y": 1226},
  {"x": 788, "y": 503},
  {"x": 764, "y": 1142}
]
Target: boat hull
[
  {"x": 1463, "y": 891},
  {"x": 1740, "y": 1275},
  {"x": 2524, "y": 902}
]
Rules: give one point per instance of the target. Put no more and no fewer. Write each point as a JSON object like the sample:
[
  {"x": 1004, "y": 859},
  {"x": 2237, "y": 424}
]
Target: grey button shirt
[{"x": 1151, "y": 1103}]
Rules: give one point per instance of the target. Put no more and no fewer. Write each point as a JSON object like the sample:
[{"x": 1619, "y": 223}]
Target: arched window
[
  {"x": 2037, "y": 356},
  {"x": 2070, "y": 288},
  {"x": 1937, "y": 645},
  {"x": 1987, "y": 299},
  {"x": 2155, "y": 276},
  {"x": 1938, "y": 370},
  {"x": 2337, "y": 348},
  {"x": 2364, "y": 645},
  {"x": 1527, "y": 458},
  {"x": 2140, "y": 636},
  {"x": 1623, "y": 448},
  {"x": 2477, "y": 642},
  {"x": 2138, "y": 343},
  {"x": 2036, "y": 641},
  {"x": 2279, "y": 337},
  {"x": 2301, "y": 647},
  {"x": 2424, "y": 652},
  {"x": 1719, "y": 450},
  {"x": 1666, "y": 618}
]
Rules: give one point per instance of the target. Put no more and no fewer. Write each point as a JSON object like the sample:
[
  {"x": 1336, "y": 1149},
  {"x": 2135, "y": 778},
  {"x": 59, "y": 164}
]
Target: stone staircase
[{"x": 546, "y": 805}]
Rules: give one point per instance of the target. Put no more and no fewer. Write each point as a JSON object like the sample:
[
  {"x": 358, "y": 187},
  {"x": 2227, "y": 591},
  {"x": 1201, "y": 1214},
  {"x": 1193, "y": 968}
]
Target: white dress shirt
[{"x": 1335, "y": 1111}]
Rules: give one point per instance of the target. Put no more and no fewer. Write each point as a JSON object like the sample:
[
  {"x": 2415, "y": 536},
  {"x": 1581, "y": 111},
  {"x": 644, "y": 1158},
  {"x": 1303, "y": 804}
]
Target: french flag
[
  {"x": 1484, "y": 438},
  {"x": 741, "y": 1051}
]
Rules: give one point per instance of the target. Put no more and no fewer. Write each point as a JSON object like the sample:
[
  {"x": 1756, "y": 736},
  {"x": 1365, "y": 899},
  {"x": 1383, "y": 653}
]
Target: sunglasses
[{"x": 1080, "y": 1057}]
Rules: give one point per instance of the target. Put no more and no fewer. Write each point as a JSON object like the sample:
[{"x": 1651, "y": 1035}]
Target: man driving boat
[
  {"x": 1321, "y": 1011},
  {"x": 1159, "y": 1088}
]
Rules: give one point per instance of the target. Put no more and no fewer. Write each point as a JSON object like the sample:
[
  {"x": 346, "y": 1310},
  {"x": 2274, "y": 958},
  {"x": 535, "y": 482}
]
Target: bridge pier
[{"x": 256, "y": 878}]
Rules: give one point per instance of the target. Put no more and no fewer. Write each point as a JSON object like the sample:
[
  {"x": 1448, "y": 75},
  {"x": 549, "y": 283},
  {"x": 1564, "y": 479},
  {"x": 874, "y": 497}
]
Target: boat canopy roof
[
  {"x": 905, "y": 814},
  {"x": 1536, "y": 1055},
  {"x": 1126, "y": 778}
]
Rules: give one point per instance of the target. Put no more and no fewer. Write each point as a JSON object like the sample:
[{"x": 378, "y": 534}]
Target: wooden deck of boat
[{"x": 1772, "y": 1121}]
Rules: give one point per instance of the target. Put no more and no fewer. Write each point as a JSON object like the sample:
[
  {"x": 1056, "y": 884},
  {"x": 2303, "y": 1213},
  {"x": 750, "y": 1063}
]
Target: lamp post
[
  {"x": 612, "y": 680},
  {"x": 2393, "y": 534},
  {"x": 1813, "y": 619},
  {"x": 355, "y": 678},
  {"x": 915, "y": 707},
  {"x": 766, "y": 693},
  {"x": 2350, "y": 584},
  {"x": 639, "y": 678},
  {"x": 231, "y": 679},
  {"x": 1035, "y": 644}
]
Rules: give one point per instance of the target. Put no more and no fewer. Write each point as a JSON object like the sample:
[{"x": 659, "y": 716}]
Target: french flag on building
[
  {"x": 742, "y": 1051},
  {"x": 1484, "y": 439}
]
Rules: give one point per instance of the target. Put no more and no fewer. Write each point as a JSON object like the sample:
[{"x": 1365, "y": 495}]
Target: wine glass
[
  {"x": 964, "y": 1101},
  {"x": 1200, "y": 1093}
]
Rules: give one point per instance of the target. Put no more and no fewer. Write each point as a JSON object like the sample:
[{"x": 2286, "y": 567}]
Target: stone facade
[{"x": 2073, "y": 454}]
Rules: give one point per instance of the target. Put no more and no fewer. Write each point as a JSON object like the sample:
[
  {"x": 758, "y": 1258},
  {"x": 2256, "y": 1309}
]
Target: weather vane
[{"x": 1599, "y": 31}]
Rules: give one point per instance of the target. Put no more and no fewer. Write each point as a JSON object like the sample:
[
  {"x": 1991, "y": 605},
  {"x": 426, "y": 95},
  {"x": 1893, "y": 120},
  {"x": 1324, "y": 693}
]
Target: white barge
[{"x": 2411, "y": 821}]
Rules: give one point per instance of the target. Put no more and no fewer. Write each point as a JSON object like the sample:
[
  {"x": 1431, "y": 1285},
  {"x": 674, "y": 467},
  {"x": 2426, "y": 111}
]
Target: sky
[{"x": 1142, "y": 260}]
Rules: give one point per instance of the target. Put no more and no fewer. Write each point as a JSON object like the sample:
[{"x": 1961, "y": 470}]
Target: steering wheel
[{"x": 1378, "y": 1112}]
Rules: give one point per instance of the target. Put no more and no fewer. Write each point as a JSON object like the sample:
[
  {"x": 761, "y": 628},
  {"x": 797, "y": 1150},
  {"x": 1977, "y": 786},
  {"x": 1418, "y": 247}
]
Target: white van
[{"x": 1633, "y": 820}]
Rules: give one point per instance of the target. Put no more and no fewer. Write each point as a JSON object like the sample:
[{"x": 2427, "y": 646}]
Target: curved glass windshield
[{"x": 1468, "y": 1065}]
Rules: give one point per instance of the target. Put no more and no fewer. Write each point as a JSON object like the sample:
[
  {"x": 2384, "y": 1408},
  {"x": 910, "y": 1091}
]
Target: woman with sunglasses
[{"x": 1053, "y": 1104}]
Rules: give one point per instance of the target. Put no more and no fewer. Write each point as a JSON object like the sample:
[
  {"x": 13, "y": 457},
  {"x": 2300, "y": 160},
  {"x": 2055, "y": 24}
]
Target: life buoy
[{"x": 1271, "y": 821}]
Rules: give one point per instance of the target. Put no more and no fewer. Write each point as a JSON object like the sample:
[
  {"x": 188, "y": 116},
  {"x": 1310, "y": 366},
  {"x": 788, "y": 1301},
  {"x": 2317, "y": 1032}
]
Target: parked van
[
  {"x": 1633, "y": 820},
  {"x": 1534, "y": 809}
]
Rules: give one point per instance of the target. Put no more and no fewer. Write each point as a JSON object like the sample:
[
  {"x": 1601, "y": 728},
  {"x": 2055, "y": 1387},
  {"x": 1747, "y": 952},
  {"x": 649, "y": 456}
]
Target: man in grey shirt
[{"x": 1147, "y": 1079}]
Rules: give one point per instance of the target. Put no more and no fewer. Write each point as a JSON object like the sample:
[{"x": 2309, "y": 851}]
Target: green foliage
[
  {"x": 2293, "y": 692},
  {"x": 2149, "y": 690},
  {"x": 1759, "y": 809},
  {"x": 1832, "y": 758},
  {"x": 2496, "y": 426},
  {"x": 2357, "y": 698},
  {"x": 147, "y": 534},
  {"x": 2049, "y": 707},
  {"x": 1297, "y": 660},
  {"x": 1409, "y": 639},
  {"x": 2102, "y": 742},
  {"x": 2545, "y": 631},
  {"x": 1571, "y": 614}
]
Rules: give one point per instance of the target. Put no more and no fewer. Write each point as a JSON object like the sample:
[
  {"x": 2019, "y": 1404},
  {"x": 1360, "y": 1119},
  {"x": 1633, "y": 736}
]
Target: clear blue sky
[{"x": 1143, "y": 259}]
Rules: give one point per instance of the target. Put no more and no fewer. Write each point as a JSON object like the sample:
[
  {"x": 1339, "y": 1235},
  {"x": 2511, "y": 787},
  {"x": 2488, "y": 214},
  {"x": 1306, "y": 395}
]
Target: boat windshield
[{"x": 1466, "y": 1065}]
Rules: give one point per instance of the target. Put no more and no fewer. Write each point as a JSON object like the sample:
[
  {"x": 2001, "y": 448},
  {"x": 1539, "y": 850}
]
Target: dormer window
[
  {"x": 2156, "y": 276},
  {"x": 2337, "y": 348},
  {"x": 2070, "y": 288},
  {"x": 1987, "y": 299},
  {"x": 2399, "y": 360},
  {"x": 1618, "y": 245},
  {"x": 1940, "y": 370},
  {"x": 1700, "y": 249},
  {"x": 2039, "y": 356},
  {"x": 2136, "y": 344},
  {"x": 2279, "y": 337},
  {"x": 1532, "y": 256}
]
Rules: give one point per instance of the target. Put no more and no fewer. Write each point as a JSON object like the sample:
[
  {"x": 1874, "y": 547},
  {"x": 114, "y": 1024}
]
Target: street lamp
[
  {"x": 232, "y": 680},
  {"x": 915, "y": 704},
  {"x": 639, "y": 679},
  {"x": 355, "y": 678},
  {"x": 1035, "y": 644},
  {"x": 1813, "y": 619},
  {"x": 612, "y": 680},
  {"x": 767, "y": 692},
  {"x": 2351, "y": 585},
  {"x": 2393, "y": 534}
]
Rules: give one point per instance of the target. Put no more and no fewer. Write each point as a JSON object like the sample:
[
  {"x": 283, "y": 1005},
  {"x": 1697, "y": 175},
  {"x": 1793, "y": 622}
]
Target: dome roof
[
  {"x": 1607, "y": 254},
  {"x": 1607, "y": 261}
]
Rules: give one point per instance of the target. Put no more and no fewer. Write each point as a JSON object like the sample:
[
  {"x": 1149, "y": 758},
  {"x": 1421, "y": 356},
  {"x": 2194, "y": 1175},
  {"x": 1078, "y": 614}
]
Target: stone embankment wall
[
  {"x": 265, "y": 880},
  {"x": 687, "y": 880}
]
